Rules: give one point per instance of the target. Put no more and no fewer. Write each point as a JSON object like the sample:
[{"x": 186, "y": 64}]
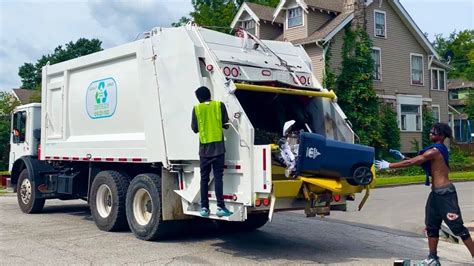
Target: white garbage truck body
[{"x": 126, "y": 112}]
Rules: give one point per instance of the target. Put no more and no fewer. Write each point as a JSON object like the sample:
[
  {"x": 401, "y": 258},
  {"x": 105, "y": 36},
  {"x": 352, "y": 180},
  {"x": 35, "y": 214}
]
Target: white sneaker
[{"x": 431, "y": 261}]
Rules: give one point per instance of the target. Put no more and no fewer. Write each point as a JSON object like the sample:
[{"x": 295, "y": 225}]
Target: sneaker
[
  {"x": 223, "y": 212},
  {"x": 431, "y": 261},
  {"x": 204, "y": 212}
]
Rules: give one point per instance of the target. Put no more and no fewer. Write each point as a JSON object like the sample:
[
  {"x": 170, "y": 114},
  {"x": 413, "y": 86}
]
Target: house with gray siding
[{"x": 408, "y": 72}]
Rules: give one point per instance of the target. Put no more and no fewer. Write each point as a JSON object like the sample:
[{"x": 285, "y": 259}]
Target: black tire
[
  {"x": 117, "y": 185},
  {"x": 26, "y": 194},
  {"x": 253, "y": 222},
  {"x": 145, "y": 217}
]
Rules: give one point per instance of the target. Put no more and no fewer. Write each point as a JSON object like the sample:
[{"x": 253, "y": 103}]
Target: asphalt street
[{"x": 388, "y": 228}]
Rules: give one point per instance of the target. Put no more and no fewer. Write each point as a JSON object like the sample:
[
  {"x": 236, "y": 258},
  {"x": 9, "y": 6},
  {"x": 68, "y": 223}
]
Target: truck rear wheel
[
  {"x": 253, "y": 222},
  {"x": 144, "y": 207},
  {"x": 26, "y": 194},
  {"x": 107, "y": 200}
]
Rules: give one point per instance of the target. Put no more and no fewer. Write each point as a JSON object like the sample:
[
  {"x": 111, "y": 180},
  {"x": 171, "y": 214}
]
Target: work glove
[
  {"x": 382, "y": 164},
  {"x": 396, "y": 154}
]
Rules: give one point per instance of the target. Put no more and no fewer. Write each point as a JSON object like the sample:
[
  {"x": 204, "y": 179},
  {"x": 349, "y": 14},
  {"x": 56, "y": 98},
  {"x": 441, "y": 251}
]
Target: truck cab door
[{"x": 23, "y": 140}]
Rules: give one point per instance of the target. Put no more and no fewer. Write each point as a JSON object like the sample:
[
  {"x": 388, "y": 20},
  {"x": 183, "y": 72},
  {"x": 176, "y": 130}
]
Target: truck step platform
[{"x": 236, "y": 209}]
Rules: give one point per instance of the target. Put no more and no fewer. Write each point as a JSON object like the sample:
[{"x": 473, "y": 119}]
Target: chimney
[
  {"x": 348, "y": 6},
  {"x": 359, "y": 20}
]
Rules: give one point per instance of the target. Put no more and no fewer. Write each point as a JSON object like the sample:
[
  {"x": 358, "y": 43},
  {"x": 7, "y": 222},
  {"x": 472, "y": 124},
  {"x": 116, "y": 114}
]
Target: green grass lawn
[{"x": 382, "y": 180}]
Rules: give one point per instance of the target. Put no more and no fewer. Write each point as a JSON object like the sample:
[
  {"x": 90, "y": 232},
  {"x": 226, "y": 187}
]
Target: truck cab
[{"x": 25, "y": 132}]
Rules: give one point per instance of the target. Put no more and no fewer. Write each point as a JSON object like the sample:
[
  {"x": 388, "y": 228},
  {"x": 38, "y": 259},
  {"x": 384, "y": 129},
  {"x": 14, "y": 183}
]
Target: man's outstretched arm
[{"x": 418, "y": 160}]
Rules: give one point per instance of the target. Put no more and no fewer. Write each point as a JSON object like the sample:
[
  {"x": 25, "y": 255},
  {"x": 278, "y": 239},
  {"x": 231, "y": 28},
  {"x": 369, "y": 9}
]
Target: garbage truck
[{"x": 114, "y": 129}]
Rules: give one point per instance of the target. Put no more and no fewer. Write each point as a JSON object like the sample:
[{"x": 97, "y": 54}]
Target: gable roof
[
  {"x": 328, "y": 30},
  {"x": 257, "y": 12},
  {"x": 23, "y": 95}
]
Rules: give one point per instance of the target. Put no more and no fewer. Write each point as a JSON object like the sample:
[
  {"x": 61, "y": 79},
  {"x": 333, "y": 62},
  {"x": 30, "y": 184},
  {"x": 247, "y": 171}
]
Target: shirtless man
[{"x": 442, "y": 202}]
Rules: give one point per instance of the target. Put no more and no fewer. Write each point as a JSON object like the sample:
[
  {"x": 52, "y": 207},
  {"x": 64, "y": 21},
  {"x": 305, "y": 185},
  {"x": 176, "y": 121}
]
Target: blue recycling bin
[{"x": 321, "y": 157}]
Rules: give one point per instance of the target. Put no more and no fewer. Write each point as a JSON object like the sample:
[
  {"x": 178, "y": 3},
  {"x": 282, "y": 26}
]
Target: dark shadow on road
[{"x": 291, "y": 237}]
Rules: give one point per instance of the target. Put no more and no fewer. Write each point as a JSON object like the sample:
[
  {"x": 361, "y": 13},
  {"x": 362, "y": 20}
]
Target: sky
[{"x": 30, "y": 29}]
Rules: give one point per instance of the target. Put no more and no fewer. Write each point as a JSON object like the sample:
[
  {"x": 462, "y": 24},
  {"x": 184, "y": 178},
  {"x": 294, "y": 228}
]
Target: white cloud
[{"x": 30, "y": 29}]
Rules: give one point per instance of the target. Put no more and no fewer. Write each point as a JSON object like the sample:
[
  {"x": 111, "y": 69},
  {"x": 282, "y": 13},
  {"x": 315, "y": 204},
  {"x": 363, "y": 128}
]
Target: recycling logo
[
  {"x": 101, "y": 99},
  {"x": 101, "y": 94}
]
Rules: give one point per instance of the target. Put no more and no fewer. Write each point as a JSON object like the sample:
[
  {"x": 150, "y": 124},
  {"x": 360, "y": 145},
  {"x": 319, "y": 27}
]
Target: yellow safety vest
[{"x": 209, "y": 117}]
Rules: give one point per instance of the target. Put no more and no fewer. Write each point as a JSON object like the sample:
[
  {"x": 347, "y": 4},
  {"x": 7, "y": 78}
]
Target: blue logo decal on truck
[{"x": 101, "y": 98}]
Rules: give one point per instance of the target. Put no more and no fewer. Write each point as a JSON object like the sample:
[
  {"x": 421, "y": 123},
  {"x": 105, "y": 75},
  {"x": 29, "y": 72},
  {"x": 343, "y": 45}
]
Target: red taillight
[
  {"x": 337, "y": 198},
  {"x": 258, "y": 202},
  {"x": 235, "y": 72},
  {"x": 39, "y": 151},
  {"x": 266, "y": 202},
  {"x": 266, "y": 73},
  {"x": 210, "y": 68},
  {"x": 303, "y": 80},
  {"x": 226, "y": 71}
]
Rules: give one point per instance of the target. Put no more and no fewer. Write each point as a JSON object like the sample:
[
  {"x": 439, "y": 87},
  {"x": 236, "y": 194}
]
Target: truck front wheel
[
  {"x": 144, "y": 207},
  {"x": 26, "y": 194},
  {"x": 107, "y": 200}
]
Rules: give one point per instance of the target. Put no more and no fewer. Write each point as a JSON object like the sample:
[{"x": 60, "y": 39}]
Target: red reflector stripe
[
  {"x": 209, "y": 195},
  {"x": 136, "y": 159},
  {"x": 264, "y": 159},
  {"x": 97, "y": 159},
  {"x": 75, "y": 158},
  {"x": 56, "y": 158},
  {"x": 65, "y": 158},
  {"x": 122, "y": 159},
  {"x": 109, "y": 159}
]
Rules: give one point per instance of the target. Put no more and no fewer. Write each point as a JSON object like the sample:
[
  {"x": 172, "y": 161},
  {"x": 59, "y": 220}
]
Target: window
[
  {"x": 410, "y": 117},
  {"x": 453, "y": 95},
  {"x": 416, "y": 69},
  {"x": 377, "y": 63},
  {"x": 19, "y": 127},
  {"x": 438, "y": 80},
  {"x": 249, "y": 24},
  {"x": 435, "y": 110},
  {"x": 380, "y": 23},
  {"x": 295, "y": 17}
]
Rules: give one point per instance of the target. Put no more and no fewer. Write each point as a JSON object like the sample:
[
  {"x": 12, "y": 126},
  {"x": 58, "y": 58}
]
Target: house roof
[
  {"x": 329, "y": 29},
  {"x": 459, "y": 84},
  {"x": 332, "y": 5},
  {"x": 257, "y": 12},
  {"x": 265, "y": 12},
  {"x": 23, "y": 95}
]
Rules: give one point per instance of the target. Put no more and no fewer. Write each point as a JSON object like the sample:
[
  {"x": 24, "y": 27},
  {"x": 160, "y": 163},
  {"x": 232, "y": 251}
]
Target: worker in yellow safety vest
[{"x": 209, "y": 118}]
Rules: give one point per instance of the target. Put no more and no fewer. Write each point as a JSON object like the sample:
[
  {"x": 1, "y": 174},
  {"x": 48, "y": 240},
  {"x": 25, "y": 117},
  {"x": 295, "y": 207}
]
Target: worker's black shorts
[{"x": 442, "y": 205}]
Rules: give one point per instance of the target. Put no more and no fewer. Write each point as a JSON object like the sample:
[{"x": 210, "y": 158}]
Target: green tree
[
  {"x": 7, "y": 104},
  {"x": 354, "y": 87},
  {"x": 428, "y": 121},
  {"x": 30, "y": 73},
  {"x": 461, "y": 46},
  {"x": 217, "y": 14},
  {"x": 469, "y": 109},
  {"x": 389, "y": 128},
  {"x": 181, "y": 22}
]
